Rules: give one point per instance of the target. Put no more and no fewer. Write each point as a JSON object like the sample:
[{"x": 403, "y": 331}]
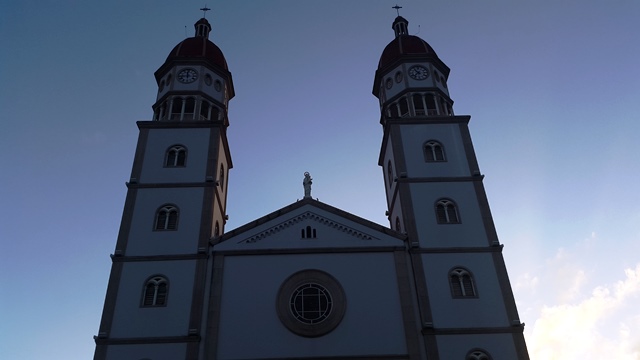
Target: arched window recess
[
  {"x": 434, "y": 151},
  {"x": 478, "y": 354},
  {"x": 155, "y": 292},
  {"x": 176, "y": 156},
  {"x": 166, "y": 218},
  {"x": 447, "y": 212},
  {"x": 308, "y": 233},
  {"x": 462, "y": 284}
]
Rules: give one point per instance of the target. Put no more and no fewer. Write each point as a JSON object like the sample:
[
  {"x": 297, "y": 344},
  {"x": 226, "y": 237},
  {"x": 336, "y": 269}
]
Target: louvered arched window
[
  {"x": 167, "y": 218},
  {"x": 390, "y": 173},
  {"x": 478, "y": 355},
  {"x": 176, "y": 156},
  {"x": 155, "y": 292},
  {"x": 447, "y": 212},
  {"x": 434, "y": 151},
  {"x": 462, "y": 285}
]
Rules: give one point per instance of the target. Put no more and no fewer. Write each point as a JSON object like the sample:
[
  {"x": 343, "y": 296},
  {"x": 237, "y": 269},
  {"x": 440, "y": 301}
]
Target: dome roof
[
  {"x": 198, "y": 48},
  {"x": 402, "y": 46}
]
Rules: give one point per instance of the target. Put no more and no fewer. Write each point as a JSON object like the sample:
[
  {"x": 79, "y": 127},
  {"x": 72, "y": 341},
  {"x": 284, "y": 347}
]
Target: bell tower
[
  {"x": 174, "y": 210},
  {"x": 435, "y": 196}
]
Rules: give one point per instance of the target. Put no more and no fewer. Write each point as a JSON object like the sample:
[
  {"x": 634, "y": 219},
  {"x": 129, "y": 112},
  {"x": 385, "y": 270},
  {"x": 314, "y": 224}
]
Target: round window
[
  {"x": 311, "y": 303},
  {"x": 398, "y": 76},
  {"x": 389, "y": 83}
]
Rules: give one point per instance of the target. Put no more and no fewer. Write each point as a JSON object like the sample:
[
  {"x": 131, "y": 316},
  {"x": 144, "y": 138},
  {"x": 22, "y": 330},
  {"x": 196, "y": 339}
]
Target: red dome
[
  {"x": 402, "y": 46},
  {"x": 198, "y": 48}
]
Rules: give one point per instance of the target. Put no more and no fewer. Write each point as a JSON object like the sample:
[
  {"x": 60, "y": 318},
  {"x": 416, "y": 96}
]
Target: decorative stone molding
[
  {"x": 308, "y": 216},
  {"x": 324, "y": 315}
]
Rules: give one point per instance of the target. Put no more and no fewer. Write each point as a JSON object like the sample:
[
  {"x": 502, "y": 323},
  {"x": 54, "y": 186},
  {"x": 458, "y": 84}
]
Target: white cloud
[{"x": 601, "y": 325}]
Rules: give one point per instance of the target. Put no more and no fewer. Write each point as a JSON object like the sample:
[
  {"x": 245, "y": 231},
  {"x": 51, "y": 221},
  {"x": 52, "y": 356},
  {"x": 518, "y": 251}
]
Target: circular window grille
[{"x": 310, "y": 303}]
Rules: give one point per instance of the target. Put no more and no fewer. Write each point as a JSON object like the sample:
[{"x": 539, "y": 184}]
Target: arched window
[
  {"x": 175, "y": 156},
  {"x": 215, "y": 113},
  {"x": 393, "y": 111},
  {"x": 398, "y": 226},
  {"x": 216, "y": 230},
  {"x": 477, "y": 355},
  {"x": 418, "y": 104},
  {"x": 404, "y": 107},
  {"x": 308, "y": 233},
  {"x": 431, "y": 105},
  {"x": 390, "y": 173},
  {"x": 204, "y": 110},
  {"x": 447, "y": 212},
  {"x": 444, "y": 105},
  {"x": 221, "y": 177},
  {"x": 461, "y": 283},
  {"x": 433, "y": 151},
  {"x": 176, "y": 109},
  {"x": 166, "y": 218},
  {"x": 189, "y": 109},
  {"x": 162, "y": 112},
  {"x": 155, "y": 292}
]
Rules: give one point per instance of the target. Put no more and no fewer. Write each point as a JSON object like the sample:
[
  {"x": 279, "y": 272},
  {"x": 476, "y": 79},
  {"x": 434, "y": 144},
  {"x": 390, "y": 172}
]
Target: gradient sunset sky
[{"x": 552, "y": 88}]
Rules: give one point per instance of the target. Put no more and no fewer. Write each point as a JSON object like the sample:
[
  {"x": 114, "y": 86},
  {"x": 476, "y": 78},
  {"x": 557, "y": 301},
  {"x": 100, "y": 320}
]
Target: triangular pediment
[{"x": 309, "y": 224}]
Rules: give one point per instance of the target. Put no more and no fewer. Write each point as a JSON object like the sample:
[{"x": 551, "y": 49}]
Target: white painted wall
[
  {"x": 433, "y": 72},
  {"x": 486, "y": 310},
  {"x": 415, "y": 136},
  {"x": 143, "y": 240},
  {"x": 471, "y": 230},
  {"x": 160, "y": 140},
  {"x": 198, "y": 85},
  {"x": 147, "y": 351},
  {"x": 250, "y": 327},
  {"x": 132, "y": 320},
  {"x": 499, "y": 346}
]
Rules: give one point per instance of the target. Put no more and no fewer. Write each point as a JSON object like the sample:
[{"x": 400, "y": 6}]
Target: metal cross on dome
[
  {"x": 397, "y": 8},
  {"x": 204, "y": 10}
]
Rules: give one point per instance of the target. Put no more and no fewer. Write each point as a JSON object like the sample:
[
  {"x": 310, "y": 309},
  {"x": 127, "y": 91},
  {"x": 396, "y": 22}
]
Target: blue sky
[{"x": 552, "y": 88}]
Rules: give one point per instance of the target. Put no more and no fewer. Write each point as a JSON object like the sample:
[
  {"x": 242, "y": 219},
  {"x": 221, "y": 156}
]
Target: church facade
[{"x": 308, "y": 281}]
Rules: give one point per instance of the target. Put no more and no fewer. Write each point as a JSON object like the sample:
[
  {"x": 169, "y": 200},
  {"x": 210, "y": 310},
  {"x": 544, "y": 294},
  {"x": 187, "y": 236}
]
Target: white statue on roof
[{"x": 306, "y": 183}]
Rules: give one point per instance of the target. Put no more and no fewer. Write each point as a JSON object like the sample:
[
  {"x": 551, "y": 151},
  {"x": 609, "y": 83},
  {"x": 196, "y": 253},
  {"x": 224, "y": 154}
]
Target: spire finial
[
  {"x": 400, "y": 25},
  {"x": 204, "y": 11},
  {"x": 397, "y": 9}
]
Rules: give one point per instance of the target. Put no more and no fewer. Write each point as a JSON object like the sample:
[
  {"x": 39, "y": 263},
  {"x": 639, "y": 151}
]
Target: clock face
[
  {"x": 187, "y": 76},
  {"x": 418, "y": 72}
]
